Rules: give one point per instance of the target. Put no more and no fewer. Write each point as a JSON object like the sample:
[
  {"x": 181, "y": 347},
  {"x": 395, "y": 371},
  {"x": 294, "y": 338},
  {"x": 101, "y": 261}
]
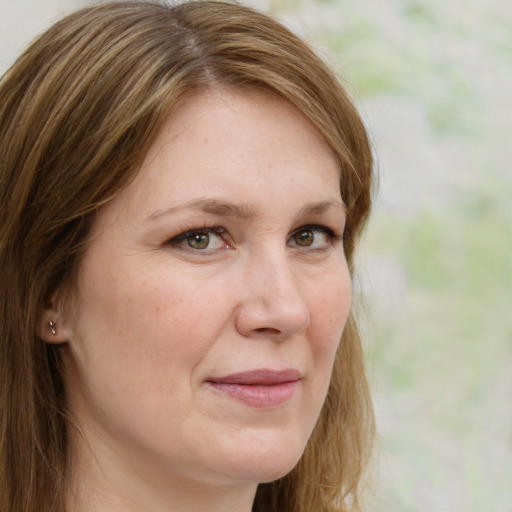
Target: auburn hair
[{"x": 79, "y": 110}]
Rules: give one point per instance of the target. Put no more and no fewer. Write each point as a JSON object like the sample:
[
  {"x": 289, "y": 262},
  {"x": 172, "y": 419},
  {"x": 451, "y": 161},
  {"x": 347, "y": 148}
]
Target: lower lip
[{"x": 257, "y": 395}]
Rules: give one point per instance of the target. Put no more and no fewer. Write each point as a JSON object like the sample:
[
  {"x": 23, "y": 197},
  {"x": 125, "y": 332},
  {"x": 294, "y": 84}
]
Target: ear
[{"x": 53, "y": 327}]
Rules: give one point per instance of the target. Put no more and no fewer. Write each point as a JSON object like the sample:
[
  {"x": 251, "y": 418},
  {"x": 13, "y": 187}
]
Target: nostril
[{"x": 268, "y": 330}]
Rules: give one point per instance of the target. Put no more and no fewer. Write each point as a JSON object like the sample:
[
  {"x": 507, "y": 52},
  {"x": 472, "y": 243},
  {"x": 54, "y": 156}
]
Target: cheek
[
  {"x": 330, "y": 305},
  {"x": 329, "y": 309},
  {"x": 154, "y": 320},
  {"x": 137, "y": 342},
  {"x": 185, "y": 315}
]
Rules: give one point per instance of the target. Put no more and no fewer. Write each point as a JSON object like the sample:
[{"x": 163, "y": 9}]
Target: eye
[
  {"x": 204, "y": 239},
  {"x": 199, "y": 241},
  {"x": 315, "y": 237},
  {"x": 304, "y": 238}
]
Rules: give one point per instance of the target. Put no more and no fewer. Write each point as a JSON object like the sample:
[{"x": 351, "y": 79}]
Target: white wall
[{"x": 22, "y": 20}]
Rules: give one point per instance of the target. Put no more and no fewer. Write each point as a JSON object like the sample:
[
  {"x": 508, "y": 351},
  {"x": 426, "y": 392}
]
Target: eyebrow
[
  {"x": 322, "y": 207},
  {"x": 223, "y": 208}
]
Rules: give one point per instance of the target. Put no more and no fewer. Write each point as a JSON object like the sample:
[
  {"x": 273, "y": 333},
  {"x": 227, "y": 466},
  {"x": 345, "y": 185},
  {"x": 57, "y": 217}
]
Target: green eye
[
  {"x": 205, "y": 239},
  {"x": 199, "y": 241},
  {"x": 304, "y": 238}
]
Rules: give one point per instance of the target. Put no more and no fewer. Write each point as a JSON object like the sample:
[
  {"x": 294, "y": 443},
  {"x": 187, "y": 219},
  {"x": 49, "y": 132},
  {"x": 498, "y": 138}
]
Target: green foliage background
[{"x": 434, "y": 81}]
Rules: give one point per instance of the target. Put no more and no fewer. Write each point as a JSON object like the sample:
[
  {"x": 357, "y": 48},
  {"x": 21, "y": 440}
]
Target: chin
[{"x": 266, "y": 460}]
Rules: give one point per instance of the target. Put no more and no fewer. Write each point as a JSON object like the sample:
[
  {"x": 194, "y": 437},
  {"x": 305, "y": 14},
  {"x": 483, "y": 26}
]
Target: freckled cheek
[{"x": 180, "y": 317}]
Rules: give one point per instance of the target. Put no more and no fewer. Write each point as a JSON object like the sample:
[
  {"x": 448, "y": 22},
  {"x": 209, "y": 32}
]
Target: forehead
[
  {"x": 225, "y": 143},
  {"x": 229, "y": 114}
]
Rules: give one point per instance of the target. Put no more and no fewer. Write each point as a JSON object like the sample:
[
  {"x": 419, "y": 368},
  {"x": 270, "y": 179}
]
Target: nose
[{"x": 272, "y": 302}]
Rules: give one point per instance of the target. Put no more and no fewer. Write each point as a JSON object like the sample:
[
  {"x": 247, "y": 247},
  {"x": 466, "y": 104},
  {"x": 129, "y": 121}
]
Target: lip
[{"x": 261, "y": 388}]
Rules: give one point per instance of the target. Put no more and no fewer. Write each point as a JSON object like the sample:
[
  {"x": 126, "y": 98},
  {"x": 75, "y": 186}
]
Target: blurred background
[{"x": 433, "y": 80}]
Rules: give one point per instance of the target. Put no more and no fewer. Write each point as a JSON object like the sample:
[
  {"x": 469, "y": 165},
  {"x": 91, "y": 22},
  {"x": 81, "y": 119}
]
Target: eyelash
[
  {"x": 219, "y": 230},
  {"x": 206, "y": 230},
  {"x": 317, "y": 228}
]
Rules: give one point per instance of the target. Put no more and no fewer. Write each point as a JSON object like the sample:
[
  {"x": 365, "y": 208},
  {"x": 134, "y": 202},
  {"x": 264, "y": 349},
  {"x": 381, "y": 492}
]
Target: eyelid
[
  {"x": 216, "y": 230},
  {"x": 316, "y": 228}
]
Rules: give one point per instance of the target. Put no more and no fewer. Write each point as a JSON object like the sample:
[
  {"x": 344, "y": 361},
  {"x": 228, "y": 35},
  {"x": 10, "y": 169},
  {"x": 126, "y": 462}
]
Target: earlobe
[{"x": 52, "y": 328}]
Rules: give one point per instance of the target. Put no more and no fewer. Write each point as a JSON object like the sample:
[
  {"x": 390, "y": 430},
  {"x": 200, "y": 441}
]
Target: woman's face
[{"x": 212, "y": 298}]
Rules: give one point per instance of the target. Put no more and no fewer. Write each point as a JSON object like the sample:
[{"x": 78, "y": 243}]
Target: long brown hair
[{"x": 78, "y": 112}]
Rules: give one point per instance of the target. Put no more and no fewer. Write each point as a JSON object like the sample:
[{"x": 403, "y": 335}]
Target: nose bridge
[
  {"x": 281, "y": 280},
  {"x": 274, "y": 300}
]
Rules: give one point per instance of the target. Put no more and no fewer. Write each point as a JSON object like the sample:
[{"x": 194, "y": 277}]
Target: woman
[{"x": 182, "y": 189}]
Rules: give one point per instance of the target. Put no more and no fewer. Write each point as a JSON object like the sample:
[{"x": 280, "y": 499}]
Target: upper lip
[{"x": 261, "y": 377}]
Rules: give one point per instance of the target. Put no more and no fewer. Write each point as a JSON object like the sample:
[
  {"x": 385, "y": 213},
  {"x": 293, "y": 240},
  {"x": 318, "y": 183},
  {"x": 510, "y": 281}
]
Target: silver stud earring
[{"x": 53, "y": 327}]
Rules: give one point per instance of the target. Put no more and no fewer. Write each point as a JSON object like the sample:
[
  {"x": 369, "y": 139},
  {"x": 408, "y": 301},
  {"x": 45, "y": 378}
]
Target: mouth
[{"x": 260, "y": 388}]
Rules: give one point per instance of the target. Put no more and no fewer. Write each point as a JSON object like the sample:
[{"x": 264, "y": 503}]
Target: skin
[{"x": 159, "y": 313}]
